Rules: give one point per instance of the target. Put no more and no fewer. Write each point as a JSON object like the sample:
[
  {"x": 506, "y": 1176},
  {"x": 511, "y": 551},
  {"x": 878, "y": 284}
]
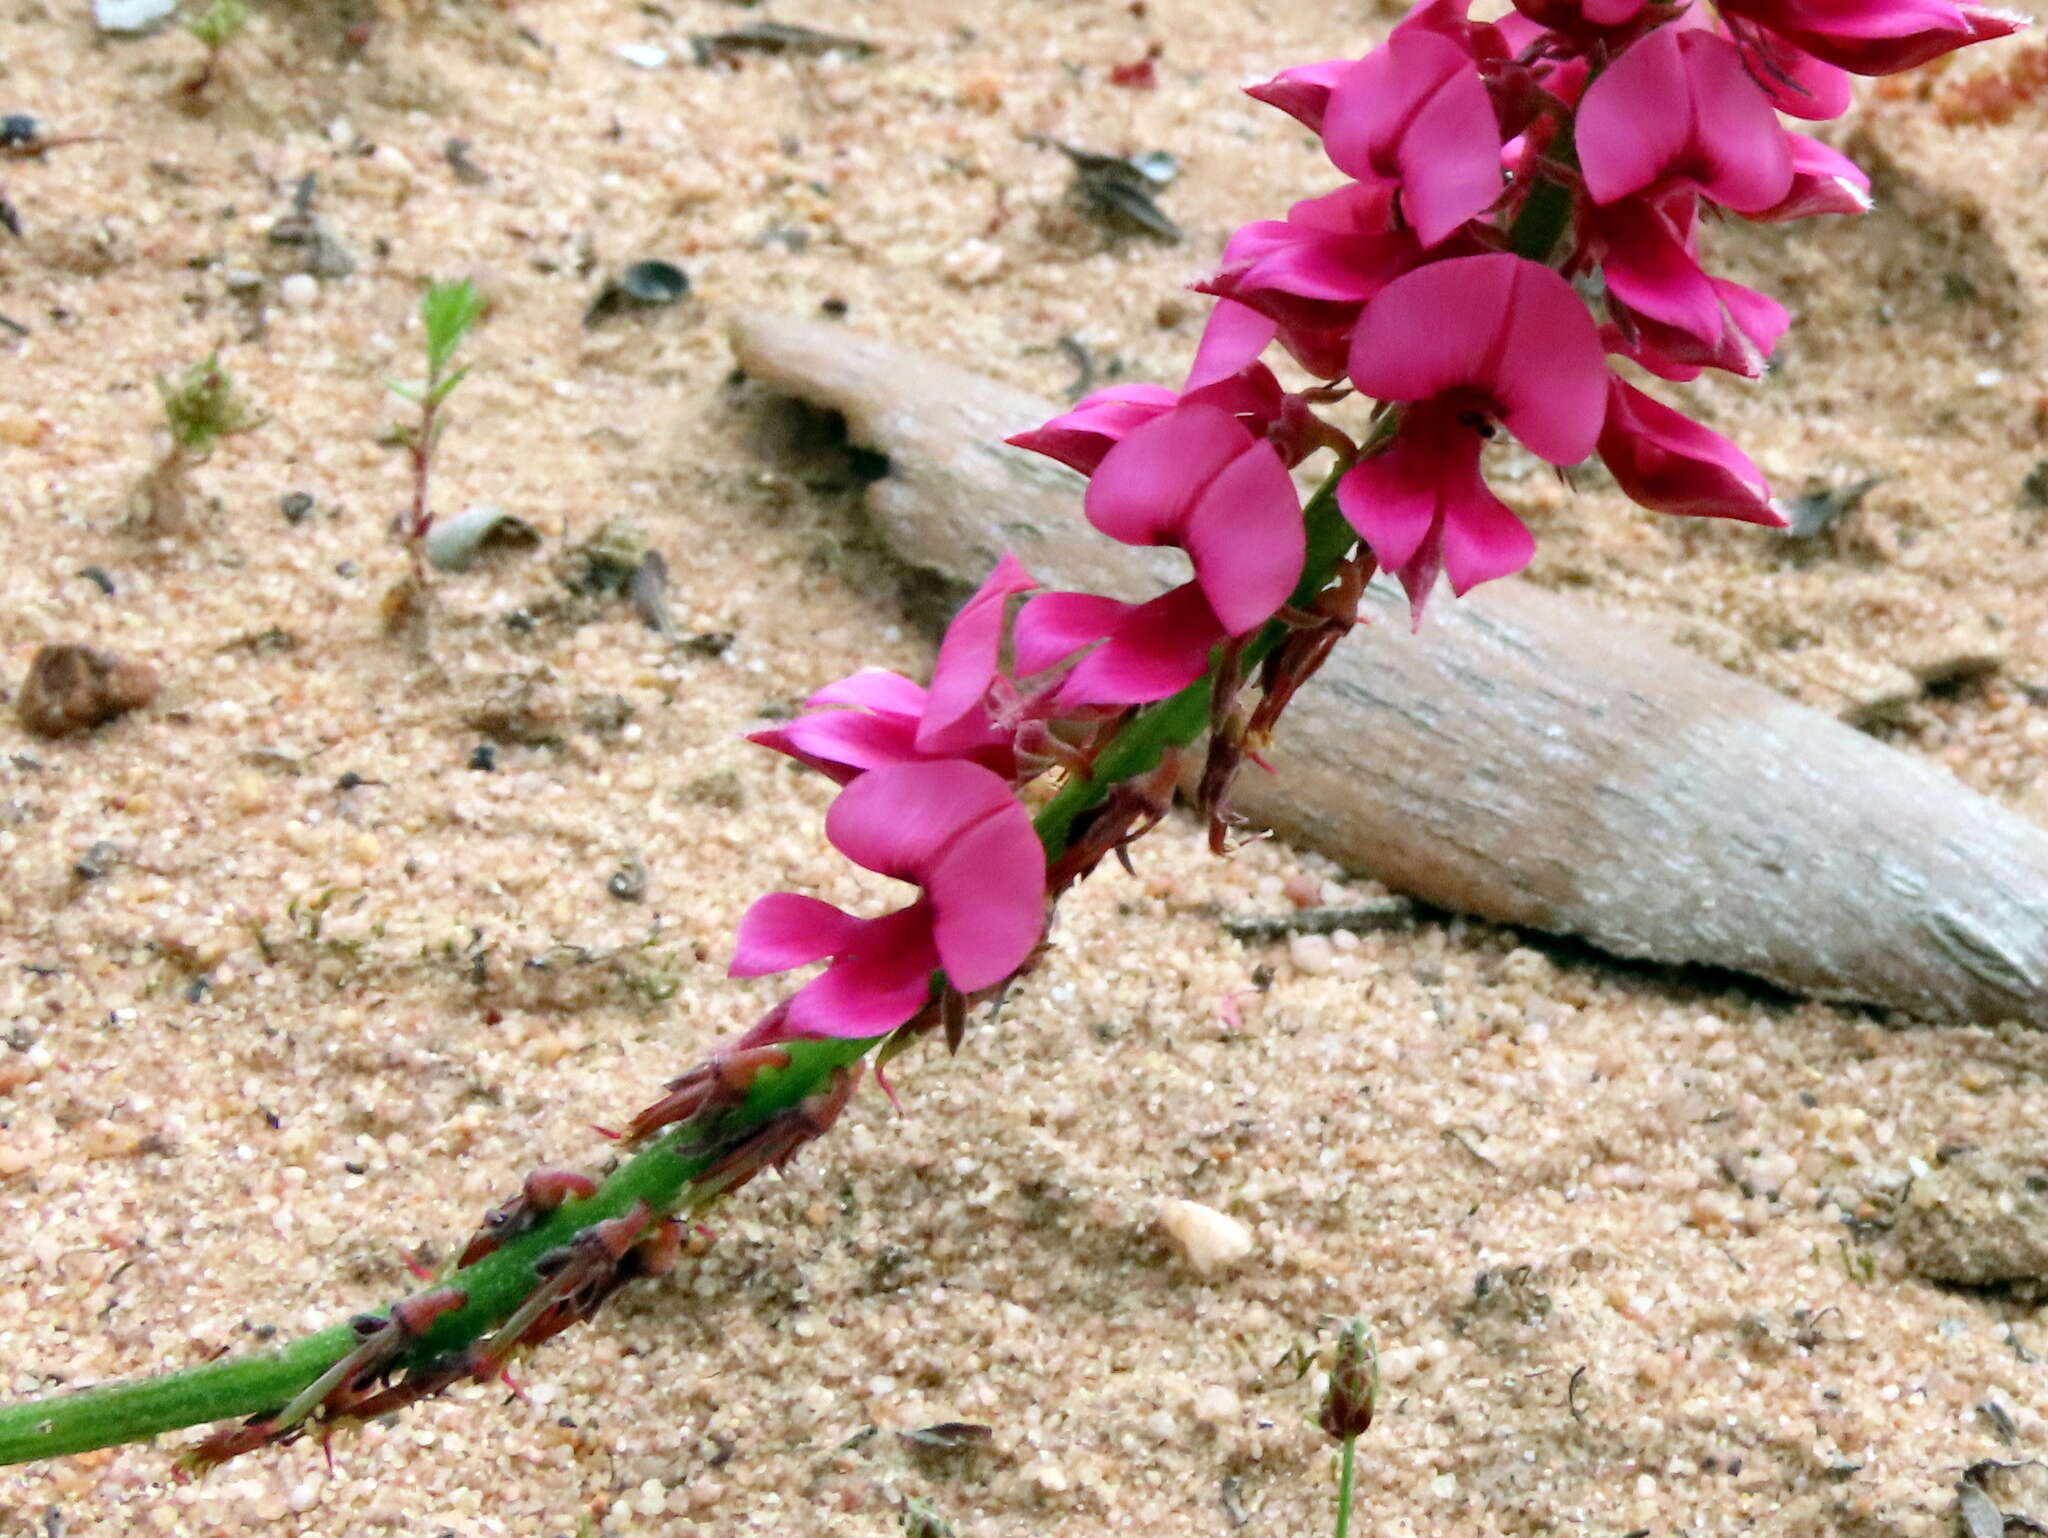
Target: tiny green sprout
[
  {"x": 203, "y": 406},
  {"x": 219, "y": 24},
  {"x": 449, "y": 311}
]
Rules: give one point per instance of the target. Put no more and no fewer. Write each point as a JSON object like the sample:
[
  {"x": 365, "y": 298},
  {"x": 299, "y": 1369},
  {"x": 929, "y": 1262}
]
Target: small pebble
[
  {"x": 299, "y": 291},
  {"x": 1312, "y": 954},
  {"x": 75, "y": 688},
  {"x": 1211, "y": 1240},
  {"x": 1217, "y": 1405}
]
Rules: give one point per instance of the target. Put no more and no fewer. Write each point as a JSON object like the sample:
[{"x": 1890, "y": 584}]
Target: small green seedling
[
  {"x": 214, "y": 29},
  {"x": 219, "y": 24},
  {"x": 202, "y": 406},
  {"x": 449, "y": 312}
]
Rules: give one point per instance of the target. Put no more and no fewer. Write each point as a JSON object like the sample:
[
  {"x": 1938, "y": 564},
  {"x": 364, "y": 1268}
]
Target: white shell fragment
[
  {"x": 1211, "y": 1240},
  {"x": 130, "y": 16},
  {"x": 453, "y": 544}
]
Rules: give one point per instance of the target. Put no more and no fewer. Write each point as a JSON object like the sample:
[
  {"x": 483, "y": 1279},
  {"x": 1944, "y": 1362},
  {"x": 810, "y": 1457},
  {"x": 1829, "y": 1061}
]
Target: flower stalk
[{"x": 679, "y": 1170}]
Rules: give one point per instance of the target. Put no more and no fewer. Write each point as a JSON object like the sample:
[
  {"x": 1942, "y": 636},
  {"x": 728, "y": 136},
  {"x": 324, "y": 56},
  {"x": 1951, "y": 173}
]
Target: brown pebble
[{"x": 75, "y": 688}]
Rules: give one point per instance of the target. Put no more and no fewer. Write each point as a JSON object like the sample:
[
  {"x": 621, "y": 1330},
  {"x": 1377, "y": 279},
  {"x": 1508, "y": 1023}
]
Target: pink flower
[
  {"x": 1673, "y": 317},
  {"x": 1196, "y": 479},
  {"x": 1240, "y": 385},
  {"x": 876, "y": 717},
  {"x": 1876, "y": 37},
  {"x": 1303, "y": 92},
  {"x": 1669, "y": 463},
  {"x": 1311, "y": 273},
  {"x": 1824, "y": 181},
  {"x": 952, "y": 829},
  {"x": 857, "y": 724},
  {"x": 957, "y": 720},
  {"x": 1414, "y": 114},
  {"x": 1470, "y": 341},
  {"x": 1679, "y": 112},
  {"x": 1079, "y": 438}
]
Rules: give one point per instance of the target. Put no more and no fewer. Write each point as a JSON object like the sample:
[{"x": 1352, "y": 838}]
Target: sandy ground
[{"x": 1634, "y": 1245}]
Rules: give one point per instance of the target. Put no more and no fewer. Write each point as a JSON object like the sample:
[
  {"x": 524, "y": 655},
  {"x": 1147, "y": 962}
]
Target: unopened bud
[{"x": 1354, "y": 1384}]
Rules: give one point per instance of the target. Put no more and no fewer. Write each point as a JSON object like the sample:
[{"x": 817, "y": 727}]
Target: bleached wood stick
[{"x": 1523, "y": 759}]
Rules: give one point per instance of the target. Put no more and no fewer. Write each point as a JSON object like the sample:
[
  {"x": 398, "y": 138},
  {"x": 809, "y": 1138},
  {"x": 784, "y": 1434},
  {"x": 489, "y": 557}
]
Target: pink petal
[
  {"x": 843, "y": 743},
  {"x": 1435, "y": 329},
  {"x": 1669, "y": 463},
  {"x": 1053, "y": 626},
  {"x": 1079, "y": 438},
  {"x": 955, "y": 717},
  {"x": 1632, "y": 126},
  {"x": 988, "y": 895},
  {"x": 1158, "y": 649},
  {"x": 1679, "y": 108},
  {"x": 1744, "y": 152},
  {"x": 1303, "y": 93},
  {"x": 1252, "y": 395},
  {"x": 1498, "y": 325},
  {"x": 1414, "y": 110},
  {"x": 1246, "y": 539},
  {"x": 1877, "y": 37},
  {"x": 1483, "y": 539},
  {"x": 784, "y": 930},
  {"x": 882, "y": 982},
  {"x": 876, "y": 689},
  {"x": 1391, "y": 500},
  {"x": 1795, "y": 82},
  {"x": 1450, "y": 155},
  {"x": 1144, "y": 487},
  {"x": 1233, "y": 338},
  {"x": 1824, "y": 181},
  {"x": 1649, "y": 268},
  {"x": 898, "y": 819}
]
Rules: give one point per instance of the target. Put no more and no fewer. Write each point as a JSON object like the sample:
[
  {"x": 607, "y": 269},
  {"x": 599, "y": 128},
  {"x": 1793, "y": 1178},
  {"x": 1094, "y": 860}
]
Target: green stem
[
  {"x": 660, "y": 1175},
  {"x": 1345, "y": 1470}
]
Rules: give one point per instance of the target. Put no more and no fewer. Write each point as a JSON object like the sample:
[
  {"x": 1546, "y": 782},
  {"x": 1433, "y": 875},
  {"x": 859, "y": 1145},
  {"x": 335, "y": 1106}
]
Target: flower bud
[{"x": 1354, "y": 1384}]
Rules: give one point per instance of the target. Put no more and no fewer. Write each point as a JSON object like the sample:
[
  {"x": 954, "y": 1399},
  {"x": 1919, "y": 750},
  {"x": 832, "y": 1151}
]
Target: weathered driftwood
[{"x": 1524, "y": 758}]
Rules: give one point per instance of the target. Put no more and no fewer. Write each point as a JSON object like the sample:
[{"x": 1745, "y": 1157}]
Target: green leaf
[
  {"x": 450, "y": 312},
  {"x": 220, "y": 23},
  {"x": 445, "y": 386}
]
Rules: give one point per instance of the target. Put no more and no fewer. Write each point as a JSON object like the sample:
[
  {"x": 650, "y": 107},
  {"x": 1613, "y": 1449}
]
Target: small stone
[
  {"x": 1211, "y": 1240},
  {"x": 298, "y": 291},
  {"x": 1313, "y": 954},
  {"x": 643, "y": 56},
  {"x": 972, "y": 262},
  {"x": 97, "y": 861},
  {"x": 1216, "y": 1405},
  {"x": 75, "y": 688},
  {"x": 1049, "y": 1477}
]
